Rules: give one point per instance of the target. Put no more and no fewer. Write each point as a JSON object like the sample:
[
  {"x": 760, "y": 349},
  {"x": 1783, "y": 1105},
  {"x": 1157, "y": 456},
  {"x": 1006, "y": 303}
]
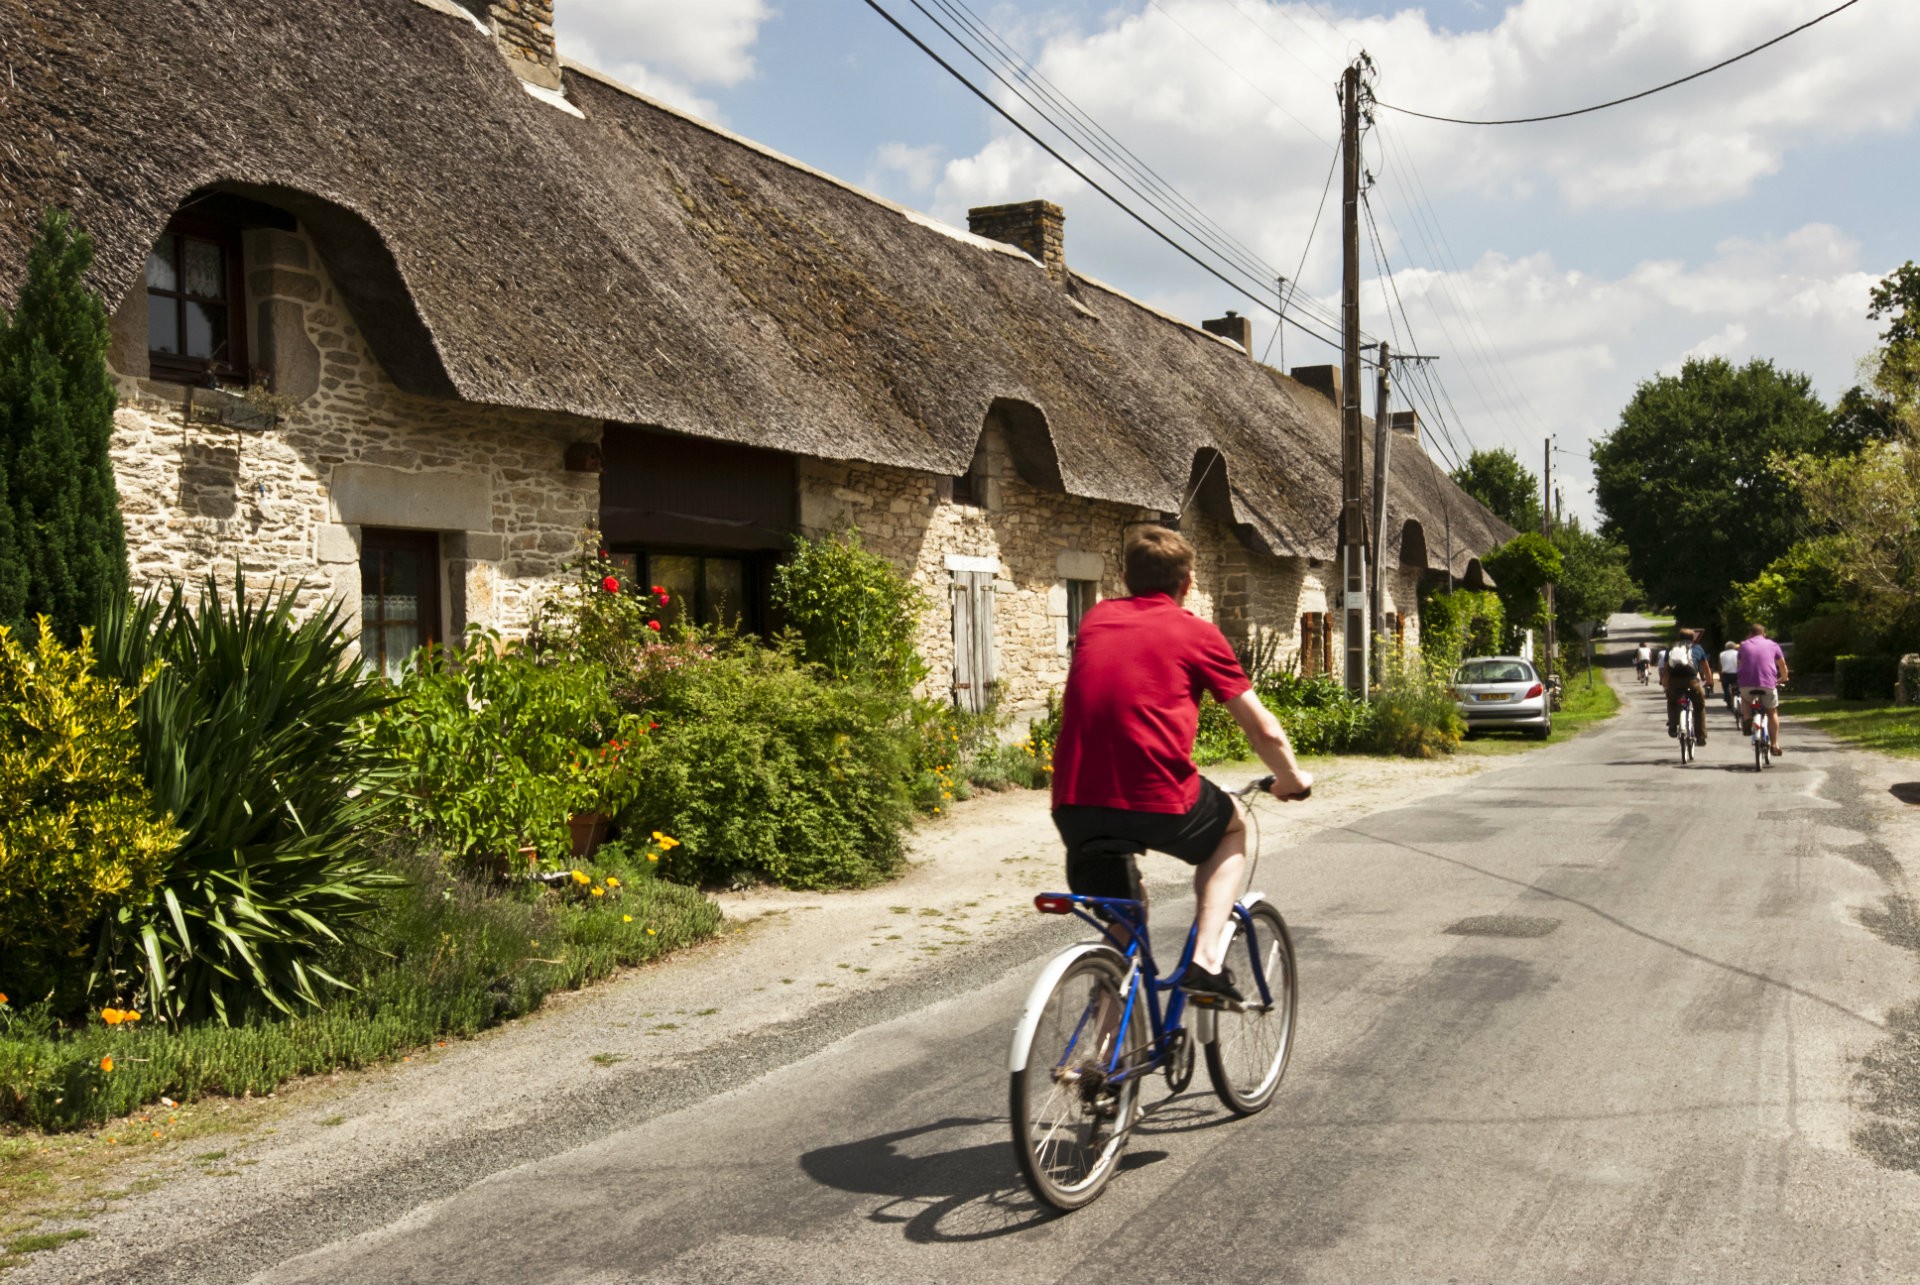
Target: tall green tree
[
  {"x": 1501, "y": 482},
  {"x": 1685, "y": 482},
  {"x": 1521, "y": 569},
  {"x": 1594, "y": 581},
  {"x": 63, "y": 548}
]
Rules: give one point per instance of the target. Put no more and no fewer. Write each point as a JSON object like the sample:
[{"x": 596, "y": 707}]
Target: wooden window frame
[
  {"x": 378, "y": 540},
  {"x": 756, "y": 576},
  {"x": 181, "y": 369},
  {"x": 1090, "y": 590}
]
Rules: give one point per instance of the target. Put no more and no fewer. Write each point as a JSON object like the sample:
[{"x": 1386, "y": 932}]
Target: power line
[
  {"x": 1645, "y": 93},
  {"x": 1256, "y": 298},
  {"x": 1318, "y": 211}
]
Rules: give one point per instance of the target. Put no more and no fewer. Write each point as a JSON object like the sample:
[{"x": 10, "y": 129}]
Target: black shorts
[{"x": 1191, "y": 836}]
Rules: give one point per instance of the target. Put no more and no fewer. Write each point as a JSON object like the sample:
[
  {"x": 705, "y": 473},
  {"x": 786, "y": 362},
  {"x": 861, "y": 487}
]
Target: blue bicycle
[{"x": 1086, "y": 1041}]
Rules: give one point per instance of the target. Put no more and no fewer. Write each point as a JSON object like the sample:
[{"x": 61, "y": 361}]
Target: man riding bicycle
[
  {"x": 1642, "y": 657},
  {"x": 1123, "y": 767},
  {"x": 1680, "y": 669},
  {"x": 1730, "y": 676},
  {"x": 1762, "y": 669}
]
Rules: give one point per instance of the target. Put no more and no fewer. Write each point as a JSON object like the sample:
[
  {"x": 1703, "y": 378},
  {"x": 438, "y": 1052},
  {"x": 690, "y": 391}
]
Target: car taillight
[
  {"x": 1053, "y": 903},
  {"x": 1533, "y": 691}
]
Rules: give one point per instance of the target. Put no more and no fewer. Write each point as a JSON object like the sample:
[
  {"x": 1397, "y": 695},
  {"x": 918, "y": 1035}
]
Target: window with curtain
[
  {"x": 195, "y": 311},
  {"x": 399, "y": 597}
]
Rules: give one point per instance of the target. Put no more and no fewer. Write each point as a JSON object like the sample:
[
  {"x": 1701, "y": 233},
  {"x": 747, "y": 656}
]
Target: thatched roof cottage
[{"x": 499, "y": 299}]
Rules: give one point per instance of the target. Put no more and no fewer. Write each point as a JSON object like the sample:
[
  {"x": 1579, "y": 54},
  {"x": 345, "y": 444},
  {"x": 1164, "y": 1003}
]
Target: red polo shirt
[{"x": 1132, "y": 705}]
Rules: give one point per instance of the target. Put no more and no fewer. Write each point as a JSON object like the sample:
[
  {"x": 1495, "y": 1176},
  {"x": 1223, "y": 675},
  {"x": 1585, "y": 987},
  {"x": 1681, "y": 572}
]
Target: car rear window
[{"x": 1494, "y": 671}]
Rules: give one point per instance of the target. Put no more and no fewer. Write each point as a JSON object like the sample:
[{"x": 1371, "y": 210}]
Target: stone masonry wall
[{"x": 291, "y": 501}]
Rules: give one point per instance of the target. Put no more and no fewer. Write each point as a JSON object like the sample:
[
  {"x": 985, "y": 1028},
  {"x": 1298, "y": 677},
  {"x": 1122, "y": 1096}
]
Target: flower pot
[{"x": 588, "y": 828}]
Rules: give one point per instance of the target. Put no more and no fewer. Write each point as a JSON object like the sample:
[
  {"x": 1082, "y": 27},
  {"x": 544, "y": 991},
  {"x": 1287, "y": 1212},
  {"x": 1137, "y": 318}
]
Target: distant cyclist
[
  {"x": 1730, "y": 675},
  {"x": 1763, "y": 667},
  {"x": 1123, "y": 767},
  {"x": 1681, "y": 667},
  {"x": 1642, "y": 657}
]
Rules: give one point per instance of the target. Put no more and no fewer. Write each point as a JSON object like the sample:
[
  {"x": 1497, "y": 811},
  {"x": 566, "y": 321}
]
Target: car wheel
[{"x": 1543, "y": 731}]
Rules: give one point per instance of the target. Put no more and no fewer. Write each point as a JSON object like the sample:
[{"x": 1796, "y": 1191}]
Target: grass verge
[
  {"x": 449, "y": 958},
  {"x": 1873, "y": 725},
  {"x": 1581, "y": 707}
]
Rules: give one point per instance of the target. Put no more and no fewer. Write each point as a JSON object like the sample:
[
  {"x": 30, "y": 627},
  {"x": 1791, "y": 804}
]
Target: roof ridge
[{"x": 911, "y": 215}]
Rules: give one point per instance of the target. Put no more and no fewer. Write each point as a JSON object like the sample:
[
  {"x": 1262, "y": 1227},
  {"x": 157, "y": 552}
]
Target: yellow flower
[
  {"x": 131, "y": 1016},
  {"x": 580, "y": 876},
  {"x": 612, "y": 882},
  {"x": 653, "y": 856},
  {"x": 649, "y": 932},
  {"x": 112, "y": 1016},
  {"x": 626, "y": 919},
  {"x": 599, "y": 892},
  {"x": 106, "y": 1064}
]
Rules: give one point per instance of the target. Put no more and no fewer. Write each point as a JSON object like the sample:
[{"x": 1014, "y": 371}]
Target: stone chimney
[
  {"x": 1232, "y": 326},
  {"x": 524, "y": 31},
  {"x": 1324, "y": 380},
  {"x": 1038, "y": 227},
  {"x": 1406, "y": 423}
]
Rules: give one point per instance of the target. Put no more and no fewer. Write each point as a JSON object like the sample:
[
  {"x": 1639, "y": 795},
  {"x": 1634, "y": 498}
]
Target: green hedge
[
  {"x": 1909, "y": 673},
  {"x": 1865, "y": 678}
]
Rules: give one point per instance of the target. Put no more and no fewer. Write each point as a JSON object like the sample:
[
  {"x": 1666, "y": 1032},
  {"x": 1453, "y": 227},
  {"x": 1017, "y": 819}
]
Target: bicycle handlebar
[{"x": 1265, "y": 786}]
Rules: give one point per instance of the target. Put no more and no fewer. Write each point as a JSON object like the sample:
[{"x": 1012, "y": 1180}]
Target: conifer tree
[{"x": 63, "y": 547}]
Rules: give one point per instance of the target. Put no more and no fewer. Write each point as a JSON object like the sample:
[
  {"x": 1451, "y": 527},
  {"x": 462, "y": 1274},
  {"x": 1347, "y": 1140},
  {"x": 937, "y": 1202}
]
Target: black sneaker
[{"x": 1204, "y": 987}]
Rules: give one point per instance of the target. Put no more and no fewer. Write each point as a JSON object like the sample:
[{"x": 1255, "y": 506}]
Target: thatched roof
[{"x": 630, "y": 264}]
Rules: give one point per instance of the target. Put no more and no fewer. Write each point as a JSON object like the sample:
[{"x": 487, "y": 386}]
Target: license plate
[{"x": 1492, "y": 696}]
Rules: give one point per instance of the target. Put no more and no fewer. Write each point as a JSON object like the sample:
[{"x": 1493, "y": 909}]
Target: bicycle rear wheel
[
  {"x": 1069, "y": 1128},
  {"x": 1249, "y": 1050}
]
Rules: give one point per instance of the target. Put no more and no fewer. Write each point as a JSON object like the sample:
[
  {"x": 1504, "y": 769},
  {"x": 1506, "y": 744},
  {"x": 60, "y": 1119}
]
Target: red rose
[
  {"x": 657, "y": 589},
  {"x": 663, "y": 598},
  {"x": 653, "y": 625},
  {"x": 652, "y": 726},
  {"x": 603, "y": 555},
  {"x": 611, "y": 584}
]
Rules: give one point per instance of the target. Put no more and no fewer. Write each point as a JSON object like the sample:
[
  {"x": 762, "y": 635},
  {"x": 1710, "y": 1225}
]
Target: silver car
[{"x": 1502, "y": 691}]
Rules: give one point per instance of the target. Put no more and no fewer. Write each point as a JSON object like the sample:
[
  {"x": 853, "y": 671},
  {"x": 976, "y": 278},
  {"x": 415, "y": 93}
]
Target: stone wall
[{"x": 353, "y": 452}]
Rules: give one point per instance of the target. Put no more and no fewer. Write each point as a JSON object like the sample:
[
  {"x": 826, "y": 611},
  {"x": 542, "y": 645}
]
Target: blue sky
[{"x": 1742, "y": 215}]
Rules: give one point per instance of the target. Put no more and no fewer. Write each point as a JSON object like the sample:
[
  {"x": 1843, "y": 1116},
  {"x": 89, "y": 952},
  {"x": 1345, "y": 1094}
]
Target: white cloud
[
  {"x": 915, "y": 167},
  {"x": 665, "y": 48}
]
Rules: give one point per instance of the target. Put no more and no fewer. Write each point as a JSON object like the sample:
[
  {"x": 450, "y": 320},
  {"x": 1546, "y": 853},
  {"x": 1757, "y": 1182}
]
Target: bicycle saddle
[{"x": 1112, "y": 848}]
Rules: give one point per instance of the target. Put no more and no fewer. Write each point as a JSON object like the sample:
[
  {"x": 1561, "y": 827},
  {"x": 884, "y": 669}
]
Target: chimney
[
  {"x": 1407, "y": 423},
  {"x": 1038, "y": 227},
  {"x": 524, "y": 31},
  {"x": 1324, "y": 380},
  {"x": 1232, "y": 326}
]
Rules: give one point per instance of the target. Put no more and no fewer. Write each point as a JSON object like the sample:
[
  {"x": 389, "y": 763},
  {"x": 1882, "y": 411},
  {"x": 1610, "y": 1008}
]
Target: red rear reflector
[
  {"x": 1533, "y": 691},
  {"x": 1053, "y": 903}
]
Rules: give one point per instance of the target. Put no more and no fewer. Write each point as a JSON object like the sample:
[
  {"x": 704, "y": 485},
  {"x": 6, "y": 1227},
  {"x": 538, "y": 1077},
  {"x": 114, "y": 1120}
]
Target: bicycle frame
[{"x": 1138, "y": 953}]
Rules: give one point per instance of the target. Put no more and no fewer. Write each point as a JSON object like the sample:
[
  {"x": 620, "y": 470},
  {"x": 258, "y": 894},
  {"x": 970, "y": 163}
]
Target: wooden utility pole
[
  {"x": 1382, "y": 450},
  {"x": 1546, "y": 529},
  {"x": 1353, "y": 518}
]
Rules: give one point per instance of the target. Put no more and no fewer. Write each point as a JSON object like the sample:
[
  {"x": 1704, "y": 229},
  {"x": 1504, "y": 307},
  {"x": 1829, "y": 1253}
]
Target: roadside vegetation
[{"x": 1873, "y": 725}]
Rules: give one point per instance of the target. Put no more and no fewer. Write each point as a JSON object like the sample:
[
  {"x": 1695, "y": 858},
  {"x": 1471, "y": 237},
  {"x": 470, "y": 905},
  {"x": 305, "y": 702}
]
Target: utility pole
[
  {"x": 1353, "y": 521},
  {"x": 1382, "y": 449},
  {"x": 1281, "y": 325},
  {"x": 1546, "y": 529}
]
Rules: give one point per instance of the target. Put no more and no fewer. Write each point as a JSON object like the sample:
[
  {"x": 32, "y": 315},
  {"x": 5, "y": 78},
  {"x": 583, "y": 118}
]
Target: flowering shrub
[{"x": 854, "y": 615}]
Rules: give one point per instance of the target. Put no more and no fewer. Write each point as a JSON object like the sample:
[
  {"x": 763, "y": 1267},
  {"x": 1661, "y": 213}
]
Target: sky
[{"x": 1549, "y": 267}]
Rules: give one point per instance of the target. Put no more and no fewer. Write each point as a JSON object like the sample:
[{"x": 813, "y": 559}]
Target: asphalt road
[{"x": 1591, "y": 1017}]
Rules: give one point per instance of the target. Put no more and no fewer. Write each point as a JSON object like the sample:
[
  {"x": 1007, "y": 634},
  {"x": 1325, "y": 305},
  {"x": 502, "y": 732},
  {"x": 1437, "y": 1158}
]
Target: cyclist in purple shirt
[{"x": 1763, "y": 667}]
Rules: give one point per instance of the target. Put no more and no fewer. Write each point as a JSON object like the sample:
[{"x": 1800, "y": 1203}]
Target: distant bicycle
[
  {"x": 1086, "y": 1041},
  {"x": 1686, "y": 727},
  {"x": 1755, "y": 726},
  {"x": 1643, "y": 669}
]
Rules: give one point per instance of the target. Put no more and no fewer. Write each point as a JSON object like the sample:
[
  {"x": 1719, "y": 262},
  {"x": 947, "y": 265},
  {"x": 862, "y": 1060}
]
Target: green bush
[
  {"x": 445, "y": 957},
  {"x": 247, "y": 734},
  {"x": 495, "y": 747},
  {"x": 1463, "y": 623},
  {"x": 1413, "y": 713},
  {"x": 79, "y": 833},
  {"x": 1909, "y": 678},
  {"x": 767, "y": 770},
  {"x": 1865, "y": 678},
  {"x": 1819, "y": 641},
  {"x": 600, "y": 618},
  {"x": 856, "y": 617}
]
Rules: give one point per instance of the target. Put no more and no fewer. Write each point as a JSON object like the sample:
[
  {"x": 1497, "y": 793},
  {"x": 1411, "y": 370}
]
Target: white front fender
[{"x": 1043, "y": 987}]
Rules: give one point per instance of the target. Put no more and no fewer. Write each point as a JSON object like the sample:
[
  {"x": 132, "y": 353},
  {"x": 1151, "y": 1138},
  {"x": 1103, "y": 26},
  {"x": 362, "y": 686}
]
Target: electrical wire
[
  {"x": 1325, "y": 189},
  {"x": 1256, "y": 298},
  {"x": 1645, "y": 93}
]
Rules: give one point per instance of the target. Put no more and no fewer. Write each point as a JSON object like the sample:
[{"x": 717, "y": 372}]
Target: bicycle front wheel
[
  {"x": 1069, "y": 1123},
  {"x": 1249, "y": 1050}
]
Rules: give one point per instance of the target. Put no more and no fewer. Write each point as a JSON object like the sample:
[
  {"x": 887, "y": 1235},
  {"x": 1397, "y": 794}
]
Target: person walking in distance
[
  {"x": 1681, "y": 666},
  {"x": 1763, "y": 668}
]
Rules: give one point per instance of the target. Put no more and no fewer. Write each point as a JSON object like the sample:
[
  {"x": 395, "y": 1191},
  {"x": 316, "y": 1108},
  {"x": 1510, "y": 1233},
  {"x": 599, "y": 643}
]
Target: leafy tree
[
  {"x": 1521, "y": 568},
  {"x": 1862, "y": 415},
  {"x": 1498, "y": 480},
  {"x": 1593, "y": 582},
  {"x": 1685, "y": 480},
  {"x": 1870, "y": 504},
  {"x": 1897, "y": 300},
  {"x": 63, "y": 549}
]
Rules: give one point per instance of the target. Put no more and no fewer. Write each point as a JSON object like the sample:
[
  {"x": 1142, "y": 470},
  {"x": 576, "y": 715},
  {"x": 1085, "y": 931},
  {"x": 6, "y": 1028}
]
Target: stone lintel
[
  {"x": 1076, "y": 564},
  {"x": 370, "y": 495}
]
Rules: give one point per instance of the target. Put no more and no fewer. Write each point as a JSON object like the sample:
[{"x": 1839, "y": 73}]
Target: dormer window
[{"x": 195, "y": 320}]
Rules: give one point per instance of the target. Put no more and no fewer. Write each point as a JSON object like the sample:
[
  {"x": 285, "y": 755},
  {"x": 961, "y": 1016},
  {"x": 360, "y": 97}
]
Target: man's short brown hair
[{"x": 1157, "y": 561}]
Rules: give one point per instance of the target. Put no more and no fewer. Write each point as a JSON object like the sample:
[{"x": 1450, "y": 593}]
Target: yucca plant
[{"x": 249, "y": 741}]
